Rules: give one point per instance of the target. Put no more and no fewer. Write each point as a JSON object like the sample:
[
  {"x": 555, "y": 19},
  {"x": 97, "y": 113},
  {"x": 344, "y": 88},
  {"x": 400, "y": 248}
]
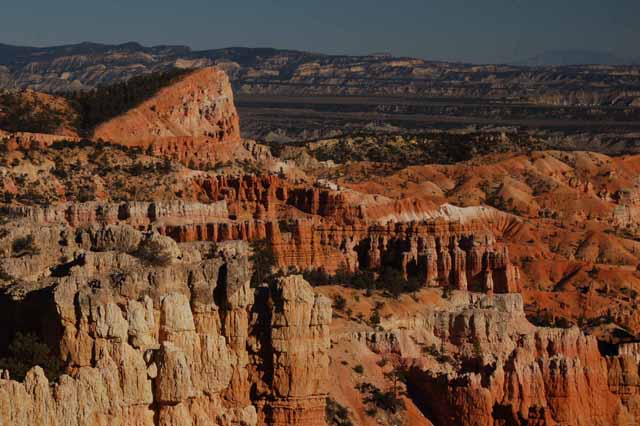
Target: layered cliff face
[
  {"x": 175, "y": 335},
  {"x": 181, "y": 338},
  {"x": 170, "y": 337},
  {"x": 439, "y": 253},
  {"x": 190, "y": 116}
]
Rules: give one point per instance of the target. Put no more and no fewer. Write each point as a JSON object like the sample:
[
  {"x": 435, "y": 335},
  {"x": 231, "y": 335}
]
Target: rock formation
[
  {"x": 149, "y": 307},
  {"x": 199, "y": 104},
  {"x": 190, "y": 119},
  {"x": 165, "y": 341},
  {"x": 26, "y": 140},
  {"x": 477, "y": 361},
  {"x": 437, "y": 252}
]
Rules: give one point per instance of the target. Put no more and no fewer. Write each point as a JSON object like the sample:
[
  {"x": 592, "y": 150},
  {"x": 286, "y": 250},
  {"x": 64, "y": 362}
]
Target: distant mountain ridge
[
  {"x": 278, "y": 72},
  {"x": 576, "y": 57}
]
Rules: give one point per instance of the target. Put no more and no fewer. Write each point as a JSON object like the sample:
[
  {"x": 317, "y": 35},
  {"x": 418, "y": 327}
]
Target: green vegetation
[
  {"x": 336, "y": 414},
  {"x": 374, "y": 319},
  {"x": 211, "y": 251},
  {"x": 24, "y": 246},
  {"x": 339, "y": 303},
  {"x": 153, "y": 253},
  {"x": 439, "y": 354},
  {"x": 105, "y": 102},
  {"x": 390, "y": 280},
  {"x": 286, "y": 225},
  {"x": 18, "y": 114},
  {"x": 127, "y": 174},
  {"x": 383, "y": 400},
  {"x": 477, "y": 349},
  {"x": 263, "y": 260},
  {"x": 545, "y": 318},
  {"x": 408, "y": 149},
  {"x": 27, "y": 351}
]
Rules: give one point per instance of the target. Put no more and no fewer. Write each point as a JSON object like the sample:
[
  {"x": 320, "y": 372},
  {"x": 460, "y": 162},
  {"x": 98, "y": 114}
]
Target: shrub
[
  {"x": 263, "y": 260},
  {"x": 374, "y": 319},
  {"x": 431, "y": 350},
  {"x": 317, "y": 277},
  {"x": 446, "y": 292},
  {"x": 153, "y": 253},
  {"x": 24, "y": 246},
  {"x": 286, "y": 226},
  {"x": 27, "y": 351},
  {"x": 393, "y": 280},
  {"x": 336, "y": 414},
  {"x": 359, "y": 369},
  {"x": 212, "y": 251},
  {"x": 86, "y": 194},
  {"x": 477, "y": 349},
  {"x": 363, "y": 280},
  {"x": 340, "y": 303},
  {"x": 384, "y": 400},
  {"x": 22, "y": 115}
]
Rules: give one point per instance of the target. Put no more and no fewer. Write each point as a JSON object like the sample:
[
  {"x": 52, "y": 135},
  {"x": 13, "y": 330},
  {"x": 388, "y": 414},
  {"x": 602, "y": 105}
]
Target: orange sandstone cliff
[{"x": 190, "y": 119}]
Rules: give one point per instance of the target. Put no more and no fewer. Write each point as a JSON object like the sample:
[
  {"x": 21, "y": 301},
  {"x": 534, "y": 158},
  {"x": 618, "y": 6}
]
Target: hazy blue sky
[{"x": 478, "y": 30}]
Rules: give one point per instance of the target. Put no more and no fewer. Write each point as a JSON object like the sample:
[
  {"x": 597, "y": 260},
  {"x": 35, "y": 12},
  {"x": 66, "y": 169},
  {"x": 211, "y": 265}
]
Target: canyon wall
[
  {"x": 294, "y": 73},
  {"x": 183, "y": 339}
]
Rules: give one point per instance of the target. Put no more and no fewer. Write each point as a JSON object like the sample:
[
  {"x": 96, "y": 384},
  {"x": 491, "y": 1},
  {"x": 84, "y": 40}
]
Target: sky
[{"x": 481, "y": 31}]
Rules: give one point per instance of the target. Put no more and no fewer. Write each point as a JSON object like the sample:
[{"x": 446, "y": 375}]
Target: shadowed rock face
[{"x": 170, "y": 344}]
